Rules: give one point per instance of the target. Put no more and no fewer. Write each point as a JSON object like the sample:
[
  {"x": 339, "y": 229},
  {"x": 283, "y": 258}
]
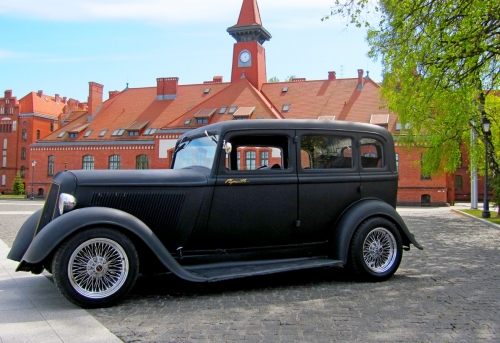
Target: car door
[
  {"x": 255, "y": 194},
  {"x": 329, "y": 180}
]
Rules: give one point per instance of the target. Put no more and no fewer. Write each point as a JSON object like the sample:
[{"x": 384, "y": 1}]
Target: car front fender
[
  {"x": 62, "y": 227},
  {"x": 357, "y": 214},
  {"x": 24, "y": 237}
]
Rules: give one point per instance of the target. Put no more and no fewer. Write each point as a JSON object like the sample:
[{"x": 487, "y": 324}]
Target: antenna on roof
[{"x": 127, "y": 86}]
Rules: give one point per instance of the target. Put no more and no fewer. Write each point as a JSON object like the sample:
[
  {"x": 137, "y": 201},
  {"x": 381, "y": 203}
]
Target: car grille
[
  {"x": 49, "y": 209},
  {"x": 157, "y": 210}
]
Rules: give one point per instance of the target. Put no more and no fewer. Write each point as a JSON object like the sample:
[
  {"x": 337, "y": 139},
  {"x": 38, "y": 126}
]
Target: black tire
[
  {"x": 375, "y": 251},
  {"x": 95, "y": 267}
]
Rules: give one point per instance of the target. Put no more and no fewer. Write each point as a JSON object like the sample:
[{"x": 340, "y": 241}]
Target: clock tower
[{"x": 249, "y": 57}]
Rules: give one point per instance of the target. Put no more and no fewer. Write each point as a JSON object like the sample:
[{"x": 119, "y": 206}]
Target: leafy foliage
[{"x": 18, "y": 186}]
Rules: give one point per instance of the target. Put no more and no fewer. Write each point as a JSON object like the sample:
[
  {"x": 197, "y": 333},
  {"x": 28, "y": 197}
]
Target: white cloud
[
  {"x": 150, "y": 11},
  {"x": 4, "y": 54}
]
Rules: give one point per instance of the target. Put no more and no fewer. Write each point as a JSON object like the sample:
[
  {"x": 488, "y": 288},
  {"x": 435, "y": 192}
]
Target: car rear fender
[
  {"x": 62, "y": 227},
  {"x": 358, "y": 213}
]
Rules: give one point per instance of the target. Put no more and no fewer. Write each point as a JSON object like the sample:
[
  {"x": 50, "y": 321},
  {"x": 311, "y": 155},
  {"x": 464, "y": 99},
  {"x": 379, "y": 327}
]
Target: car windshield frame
[{"x": 196, "y": 151}]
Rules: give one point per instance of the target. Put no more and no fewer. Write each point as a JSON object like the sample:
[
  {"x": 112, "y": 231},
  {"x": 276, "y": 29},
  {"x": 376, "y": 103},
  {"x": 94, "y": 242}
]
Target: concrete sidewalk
[{"x": 33, "y": 310}]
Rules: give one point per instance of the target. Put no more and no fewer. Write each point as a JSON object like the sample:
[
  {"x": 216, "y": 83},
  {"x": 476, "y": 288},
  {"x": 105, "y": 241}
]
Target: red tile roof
[
  {"x": 249, "y": 14},
  {"x": 47, "y": 105}
]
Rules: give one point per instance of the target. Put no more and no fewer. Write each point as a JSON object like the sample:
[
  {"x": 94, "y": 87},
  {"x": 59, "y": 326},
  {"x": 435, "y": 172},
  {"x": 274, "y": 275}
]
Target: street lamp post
[
  {"x": 33, "y": 164},
  {"x": 486, "y": 130}
]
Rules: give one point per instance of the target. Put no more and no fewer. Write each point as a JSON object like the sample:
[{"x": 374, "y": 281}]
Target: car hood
[{"x": 140, "y": 178}]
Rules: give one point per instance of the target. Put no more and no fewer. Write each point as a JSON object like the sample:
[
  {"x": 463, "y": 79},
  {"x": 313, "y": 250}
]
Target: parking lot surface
[{"x": 446, "y": 293}]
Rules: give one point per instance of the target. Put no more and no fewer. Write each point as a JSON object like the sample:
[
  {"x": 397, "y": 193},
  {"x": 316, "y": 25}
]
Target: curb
[{"x": 484, "y": 221}]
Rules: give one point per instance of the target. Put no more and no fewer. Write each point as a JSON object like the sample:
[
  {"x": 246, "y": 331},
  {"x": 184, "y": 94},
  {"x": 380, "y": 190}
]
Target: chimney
[
  {"x": 360, "y": 79},
  {"x": 64, "y": 99},
  {"x": 95, "y": 97},
  {"x": 298, "y": 79},
  {"x": 332, "y": 75},
  {"x": 166, "y": 88},
  {"x": 57, "y": 98},
  {"x": 40, "y": 93},
  {"x": 112, "y": 94},
  {"x": 217, "y": 79},
  {"x": 8, "y": 94}
]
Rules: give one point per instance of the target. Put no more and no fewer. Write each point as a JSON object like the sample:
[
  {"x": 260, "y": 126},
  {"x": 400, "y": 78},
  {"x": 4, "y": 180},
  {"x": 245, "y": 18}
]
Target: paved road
[{"x": 447, "y": 293}]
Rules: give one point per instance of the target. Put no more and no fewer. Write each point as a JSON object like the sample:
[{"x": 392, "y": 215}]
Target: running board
[{"x": 226, "y": 271}]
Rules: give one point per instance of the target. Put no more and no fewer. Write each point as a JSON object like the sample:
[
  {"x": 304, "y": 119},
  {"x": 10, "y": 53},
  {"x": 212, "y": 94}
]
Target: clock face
[{"x": 245, "y": 56}]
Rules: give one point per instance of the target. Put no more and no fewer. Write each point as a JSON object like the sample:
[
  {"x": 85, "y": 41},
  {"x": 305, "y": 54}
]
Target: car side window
[
  {"x": 325, "y": 151},
  {"x": 372, "y": 153},
  {"x": 257, "y": 152}
]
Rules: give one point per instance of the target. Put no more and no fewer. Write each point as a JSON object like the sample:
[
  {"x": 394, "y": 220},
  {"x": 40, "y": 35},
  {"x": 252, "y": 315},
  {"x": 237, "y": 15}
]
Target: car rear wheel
[
  {"x": 95, "y": 267},
  {"x": 376, "y": 250}
]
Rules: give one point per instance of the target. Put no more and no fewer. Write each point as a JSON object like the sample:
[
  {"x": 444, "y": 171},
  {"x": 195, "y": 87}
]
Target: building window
[
  {"x": 232, "y": 109},
  {"x": 133, "y": 133},
  {"x": 426, "y": 199},
  {"x": 1, "y": 110},
  {"x": 397, "y": 162},
  {"x": 23, "y": 153},
  {"x": 118, "y": 132},
  {"x": 3, "y": 180},
  {"x": 458, "y": 182},
  {"x": 223, "y": 110},
  {"x": 87, "y": 133},
  {"x": 250, "y": 160},
  {"x": 73, "y": 135},
  {"x": 50, "y": 166},
  {"x": 88, "y": 162},
  {"x": 103, "y": 132},
  {"x": 24, "y": 135},
  {"x": 238, "y": 160},
  {"x": 51, "y": 127},
  {"x": 60, "y": 135},
  {"x": 4, "y": 161},
  {"x": 286, "y": 108},
  {"x": 37, "y": 134},
  {"x": 142, "y": 162},
  {"x": 23, "y": 172},
  {"x": 202, "y": 121},
  {"x": 264, "y": 158},
  {"x": 114, "y": 162}
]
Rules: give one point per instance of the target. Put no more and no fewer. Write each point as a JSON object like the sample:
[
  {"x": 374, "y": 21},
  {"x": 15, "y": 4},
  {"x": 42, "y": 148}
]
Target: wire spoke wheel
[
  {"x": 379, "y": 250},
  {"x": 98, "y": 268}
]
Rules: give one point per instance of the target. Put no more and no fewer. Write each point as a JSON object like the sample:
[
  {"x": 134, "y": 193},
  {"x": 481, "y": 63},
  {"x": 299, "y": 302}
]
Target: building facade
[{"x": 138, "y": 127}]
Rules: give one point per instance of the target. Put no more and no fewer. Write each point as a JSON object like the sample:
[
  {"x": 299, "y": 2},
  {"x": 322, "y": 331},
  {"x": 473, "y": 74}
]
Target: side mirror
[{"x": 227, "y": 147}]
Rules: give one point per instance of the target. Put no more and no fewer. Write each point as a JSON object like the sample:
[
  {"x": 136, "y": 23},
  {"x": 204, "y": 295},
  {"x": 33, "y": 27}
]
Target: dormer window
[
  {"x": 73, "y": 135},
  {"x": 202, "y": 121},
  {"x": 380, "y": 119},
  {"x": 243, "y": 113},
  {"x": 136, "y": 127},
  {"x": 203, "y": 115},
  {"x": 286, "y": 108},
  {"x": 133, "y": 133}
]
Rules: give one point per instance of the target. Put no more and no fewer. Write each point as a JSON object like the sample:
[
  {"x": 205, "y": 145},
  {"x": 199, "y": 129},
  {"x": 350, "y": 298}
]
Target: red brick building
[{"x": 138, "y": 127}]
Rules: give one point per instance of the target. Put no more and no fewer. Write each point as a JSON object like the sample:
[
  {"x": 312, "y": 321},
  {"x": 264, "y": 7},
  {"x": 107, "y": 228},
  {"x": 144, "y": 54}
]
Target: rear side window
[
  {"x": 325, "y": 152},
  {"x": 372, "y": 153}
]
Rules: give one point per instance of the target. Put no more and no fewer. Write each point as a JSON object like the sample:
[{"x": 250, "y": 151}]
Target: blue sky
[{"x": 58, "y": 46}]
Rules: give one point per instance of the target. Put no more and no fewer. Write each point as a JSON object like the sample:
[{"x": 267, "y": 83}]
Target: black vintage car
[{"x": 307, "y": 194}]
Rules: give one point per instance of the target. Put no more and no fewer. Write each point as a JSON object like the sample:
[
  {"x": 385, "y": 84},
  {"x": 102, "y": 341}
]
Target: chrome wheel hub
[
  {"x": 379, "y": 250},
  {"x": 98, "y": 268}
]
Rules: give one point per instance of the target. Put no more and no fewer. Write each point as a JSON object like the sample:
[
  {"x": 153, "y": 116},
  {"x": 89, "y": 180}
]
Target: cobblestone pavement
[{"x": 446, "y": 293}]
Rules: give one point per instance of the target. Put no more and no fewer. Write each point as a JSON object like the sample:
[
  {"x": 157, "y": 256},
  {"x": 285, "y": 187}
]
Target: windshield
[{"x": 196, "y": 152}]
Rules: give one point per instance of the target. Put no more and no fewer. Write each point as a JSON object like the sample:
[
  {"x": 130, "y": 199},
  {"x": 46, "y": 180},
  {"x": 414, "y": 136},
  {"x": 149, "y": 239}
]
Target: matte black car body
[{"x": 211, "y": 220}]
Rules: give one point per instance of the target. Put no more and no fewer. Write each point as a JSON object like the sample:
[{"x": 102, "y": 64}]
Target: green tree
[
  {"x": 273, "y": 79},
  {"x": 441, "y": 62},
  {"x": 18, "y": 186}
]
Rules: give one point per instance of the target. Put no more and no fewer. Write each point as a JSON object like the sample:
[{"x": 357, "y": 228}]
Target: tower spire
[{"x": 249, "y": 26}]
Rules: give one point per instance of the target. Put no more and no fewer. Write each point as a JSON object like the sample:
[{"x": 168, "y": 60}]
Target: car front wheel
[
  {"x": 376, "y": 250},
  {"x": 95, "y": 267}
]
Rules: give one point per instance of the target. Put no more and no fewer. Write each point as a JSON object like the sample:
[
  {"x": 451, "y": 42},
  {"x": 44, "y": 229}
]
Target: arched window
[
  {"x": 37, "y": 134},
  {"x": 142, "y": 162},
  {"x": 426, "y": 199},
  {"x": 50, "y": 164},
  {"x": 114, "y": 162},
  {"x": 88, "y": 162},
  {"x": 23, "y": 153},
  {"x": 24, "y": 135},
  {"x": 40, "y": 192}
]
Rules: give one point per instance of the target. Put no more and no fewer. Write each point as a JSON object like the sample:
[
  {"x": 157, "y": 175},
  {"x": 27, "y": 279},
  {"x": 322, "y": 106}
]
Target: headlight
[{"x": 66, "y": 203}]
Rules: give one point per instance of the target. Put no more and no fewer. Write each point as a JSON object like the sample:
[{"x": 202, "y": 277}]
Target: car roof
[{"x": 288, "y": 124}]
